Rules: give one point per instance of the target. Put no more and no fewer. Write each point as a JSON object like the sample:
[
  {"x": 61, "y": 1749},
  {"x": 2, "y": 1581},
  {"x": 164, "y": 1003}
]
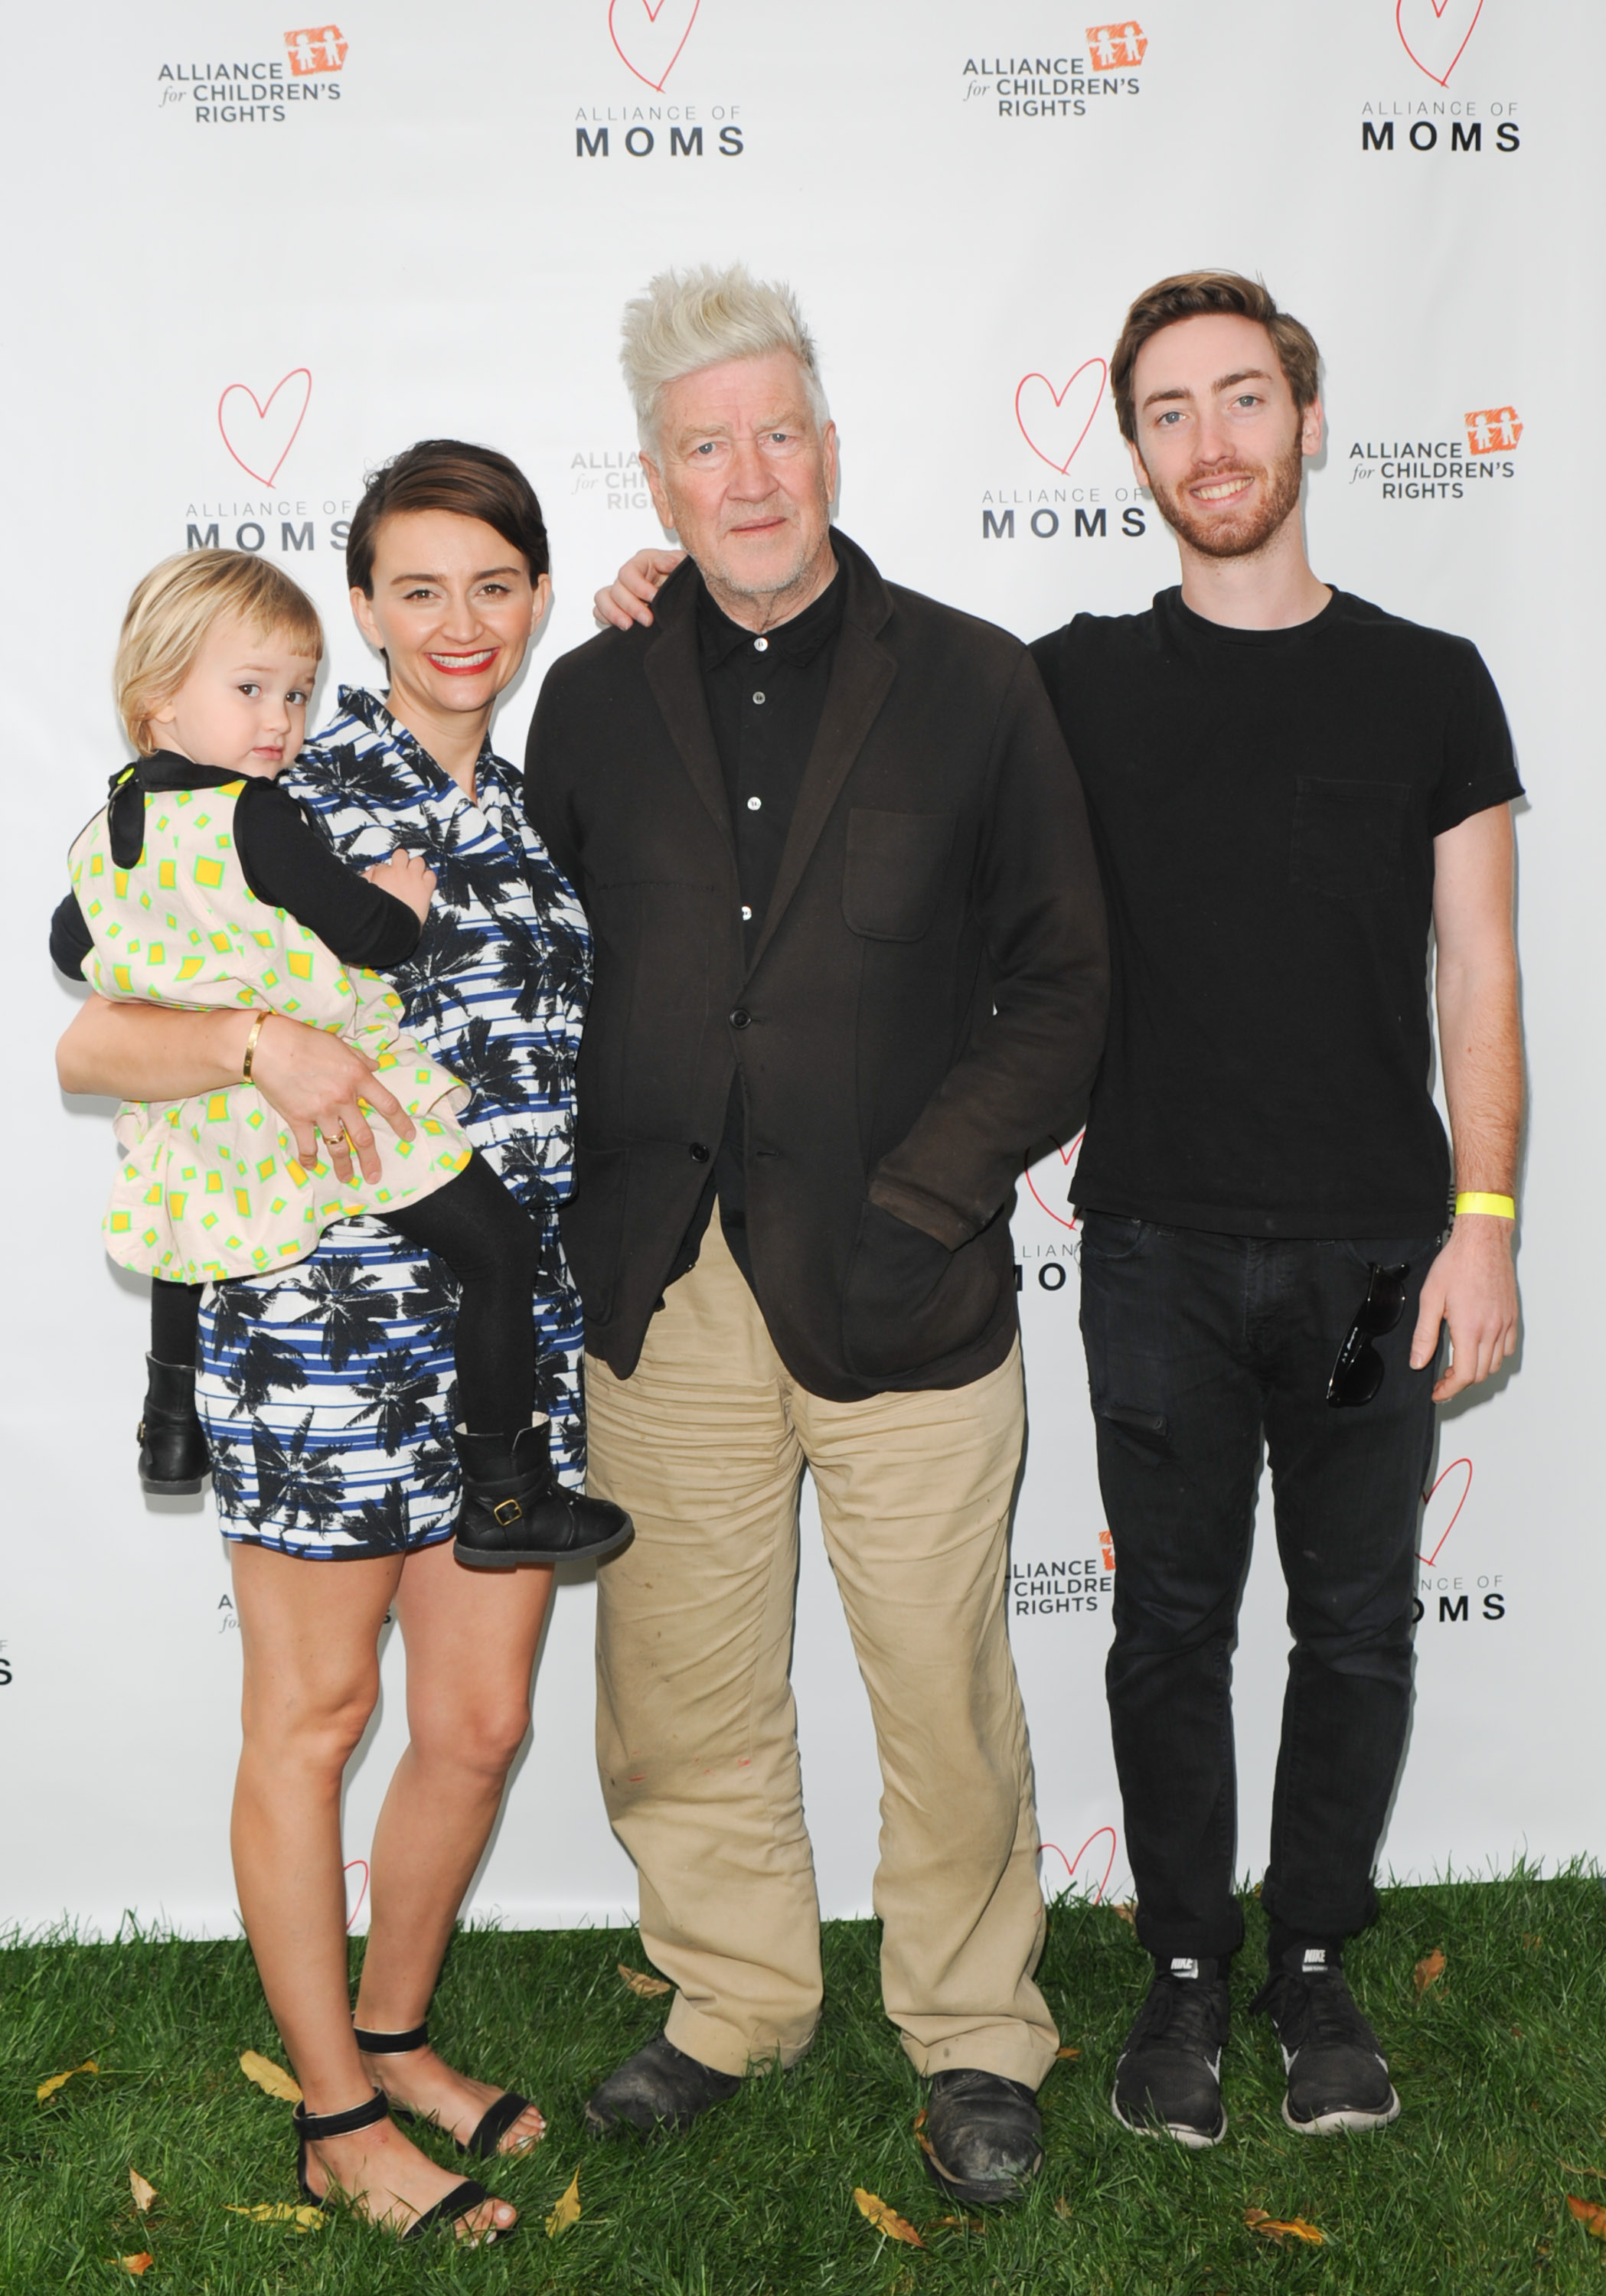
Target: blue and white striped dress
[{"x": 327, "y": 1388}]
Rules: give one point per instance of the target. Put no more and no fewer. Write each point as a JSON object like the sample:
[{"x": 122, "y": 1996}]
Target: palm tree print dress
[{"x": 327, "y": 1390}]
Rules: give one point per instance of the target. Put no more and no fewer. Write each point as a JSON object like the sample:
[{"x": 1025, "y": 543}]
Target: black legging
[{"x": 491, "y": 1247}]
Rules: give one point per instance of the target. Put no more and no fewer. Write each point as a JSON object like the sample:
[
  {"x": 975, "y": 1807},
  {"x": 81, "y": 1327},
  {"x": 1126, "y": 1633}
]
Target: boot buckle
[{"x": 507, "y": 1511}]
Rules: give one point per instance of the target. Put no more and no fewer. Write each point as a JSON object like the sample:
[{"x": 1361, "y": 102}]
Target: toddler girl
[{"x": 203, "y": 884}]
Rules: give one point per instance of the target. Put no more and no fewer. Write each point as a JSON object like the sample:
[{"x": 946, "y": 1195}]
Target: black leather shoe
[
  {"x": 514, "y": 1509},
  {"x": 173, "y": 1456},
  {"x": 984, "y": 2137},
  {"x": 659, "y": 2088}
]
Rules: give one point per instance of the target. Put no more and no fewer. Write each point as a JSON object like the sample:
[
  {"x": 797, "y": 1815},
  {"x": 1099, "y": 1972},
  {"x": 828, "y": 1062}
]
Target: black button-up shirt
[{"x": 766, "y": 694}]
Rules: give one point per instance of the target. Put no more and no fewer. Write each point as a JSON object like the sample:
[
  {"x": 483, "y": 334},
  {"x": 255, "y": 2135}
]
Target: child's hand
[{"x": 411, "y": 881}]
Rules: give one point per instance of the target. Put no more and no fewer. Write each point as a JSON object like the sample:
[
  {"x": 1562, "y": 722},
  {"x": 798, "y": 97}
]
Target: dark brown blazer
[{"x": 925, "y": 1003}]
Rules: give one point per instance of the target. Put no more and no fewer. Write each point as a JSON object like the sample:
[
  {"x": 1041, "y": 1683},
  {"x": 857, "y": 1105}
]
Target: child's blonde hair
[{"x": 173, "y": 608}]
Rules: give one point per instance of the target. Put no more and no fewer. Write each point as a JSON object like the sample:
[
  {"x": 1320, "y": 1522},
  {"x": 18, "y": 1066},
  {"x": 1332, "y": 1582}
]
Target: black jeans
[{"x": 1197, "y": 1343}]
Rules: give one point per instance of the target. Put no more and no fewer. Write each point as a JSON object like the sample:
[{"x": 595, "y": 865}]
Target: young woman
[{"x": 324, "y": 1387}]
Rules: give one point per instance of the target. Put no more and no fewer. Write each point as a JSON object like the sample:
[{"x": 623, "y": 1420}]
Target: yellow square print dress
[{"x": 212, "y": 1187}]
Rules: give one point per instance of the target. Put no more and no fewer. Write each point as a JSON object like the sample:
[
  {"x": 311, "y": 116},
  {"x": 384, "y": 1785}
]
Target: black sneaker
[
  {"x": 1168, "y": 2080},
  {"x": 1336, "y": 2075}
]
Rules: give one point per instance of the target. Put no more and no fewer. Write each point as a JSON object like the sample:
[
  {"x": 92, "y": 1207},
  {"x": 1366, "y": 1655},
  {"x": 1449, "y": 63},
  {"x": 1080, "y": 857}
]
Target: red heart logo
[
  {"x": 1461, "y": 1500},
  {"x": 255, "y": 434},
  {"x": 1435, "y": 32},
  {"x": 1048, "y": 417},
  {"x": 1067, "y": 1165},
  {"x": 1072, "y": 1865},
  {"x": 357, "y": 1865},
  {"x": 649, "y": 39}
]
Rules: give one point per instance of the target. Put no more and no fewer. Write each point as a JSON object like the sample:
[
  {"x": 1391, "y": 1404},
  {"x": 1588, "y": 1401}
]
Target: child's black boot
[
  {"x": 173, "y": 1456},
  {"x": 514, "y": 1509}
]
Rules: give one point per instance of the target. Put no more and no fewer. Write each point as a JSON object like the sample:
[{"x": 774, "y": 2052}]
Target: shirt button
[
  {"x": 699, "y": 1154},
  {"x": 746, "y": 916},
  {"x": 758, "y": 697},
  {"x": 761, "y": 645},
  {"x": 741, "y": 1017},
  {"x": 755, "y": 804}
]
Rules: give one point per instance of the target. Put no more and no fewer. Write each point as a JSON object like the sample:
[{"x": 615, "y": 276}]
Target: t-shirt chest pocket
[
  {"x": 1349, "y": 836},
  {"x": 893, "y": 872}
]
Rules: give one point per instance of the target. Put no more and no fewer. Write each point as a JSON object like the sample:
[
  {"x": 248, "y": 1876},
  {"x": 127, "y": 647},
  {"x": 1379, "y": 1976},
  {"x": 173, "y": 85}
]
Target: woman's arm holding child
[{"x": 314, "y": 1079}]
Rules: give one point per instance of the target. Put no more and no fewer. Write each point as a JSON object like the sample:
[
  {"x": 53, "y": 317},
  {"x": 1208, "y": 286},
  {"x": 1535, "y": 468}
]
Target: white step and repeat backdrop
[{"x": 250, "y": 257}]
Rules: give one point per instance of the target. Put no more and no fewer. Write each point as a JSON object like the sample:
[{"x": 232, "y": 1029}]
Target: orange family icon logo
[
  {"x": 1109, "y": 45},
  {"x": 1492, "y": 429},
  {"x": 320, "y": 48}
]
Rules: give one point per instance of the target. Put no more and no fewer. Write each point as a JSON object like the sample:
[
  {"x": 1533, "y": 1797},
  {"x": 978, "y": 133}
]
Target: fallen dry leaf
[
  {"x": 1067, "y": 2052},
  {"x": 305, "y": 2218},
  {"x": 1534, "y": 1942},
  {"x": 273, "y": 2077},
  {"x": 1128, "y": 1913},
  {"x": 143, "y": 2194},
  {"x": 60, "y": 2080},
  {"x": 1281, "y": 2228},
  {"x": 1574, "y": 2168},
  {"x": 136, "y": 2264},
  {"x": 650, "y": 1988},
  {"x": 567, "y": 2211},
  {"x": 1429, "y": 1969},
  {"x": 956, "y": 2224},
  {"x": 875, "y": 2210},
  {"x": 1062, "y": 2207},
  {"x": 1590, "y": 2215}
]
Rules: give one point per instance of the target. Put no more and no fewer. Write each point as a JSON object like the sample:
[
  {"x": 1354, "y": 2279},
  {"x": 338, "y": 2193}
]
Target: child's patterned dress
[{"x": 212, "y": 1187}]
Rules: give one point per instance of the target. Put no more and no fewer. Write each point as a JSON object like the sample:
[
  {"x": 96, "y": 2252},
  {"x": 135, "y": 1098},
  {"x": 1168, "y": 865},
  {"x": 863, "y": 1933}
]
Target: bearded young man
[
  {"x": 1288, "y": 788},
  {"x": 850, "y": 967}
]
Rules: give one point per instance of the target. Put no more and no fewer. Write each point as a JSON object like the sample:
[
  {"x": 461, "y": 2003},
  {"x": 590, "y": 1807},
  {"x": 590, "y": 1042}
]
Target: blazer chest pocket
[
  {"x": 1349, "y": 836},
  {"x": 893, "y": 872}
]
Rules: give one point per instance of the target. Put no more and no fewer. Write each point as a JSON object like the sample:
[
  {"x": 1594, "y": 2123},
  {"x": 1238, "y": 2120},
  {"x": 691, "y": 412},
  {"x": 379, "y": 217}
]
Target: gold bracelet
[
  {"x": 1474, "y": 1199},
  {"x": 251, "y": 1045}
]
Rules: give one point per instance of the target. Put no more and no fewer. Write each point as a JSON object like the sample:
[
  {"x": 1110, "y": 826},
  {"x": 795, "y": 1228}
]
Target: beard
[{"x": 1241, "y": 533}]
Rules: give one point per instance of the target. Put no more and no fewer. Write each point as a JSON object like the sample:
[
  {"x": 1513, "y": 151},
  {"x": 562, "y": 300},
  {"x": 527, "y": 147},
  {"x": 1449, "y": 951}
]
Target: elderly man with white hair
[{"x": 851, "y": 968}]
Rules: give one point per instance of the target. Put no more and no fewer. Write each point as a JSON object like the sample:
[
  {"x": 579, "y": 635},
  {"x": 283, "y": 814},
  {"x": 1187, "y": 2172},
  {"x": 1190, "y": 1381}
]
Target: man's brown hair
[{"x": 1186, "y": 296}]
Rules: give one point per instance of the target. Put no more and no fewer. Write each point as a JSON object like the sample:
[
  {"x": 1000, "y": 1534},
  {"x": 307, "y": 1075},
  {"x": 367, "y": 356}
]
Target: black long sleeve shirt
[{"x": 285, "y": 862}]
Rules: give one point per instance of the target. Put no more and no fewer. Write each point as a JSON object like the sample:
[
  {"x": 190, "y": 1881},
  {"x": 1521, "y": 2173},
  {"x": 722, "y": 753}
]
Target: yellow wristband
[
  {"x": 1496, "y": 1207},
  {"x": 251, "y": 1046}
]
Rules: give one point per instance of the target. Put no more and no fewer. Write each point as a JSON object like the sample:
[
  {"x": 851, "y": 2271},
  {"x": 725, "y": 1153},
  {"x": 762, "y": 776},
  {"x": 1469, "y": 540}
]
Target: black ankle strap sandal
[
  {"x": 317, "y": 2127},
  {"x": 391, "y": 2045},
  {"x": 494, "y": 2122}
]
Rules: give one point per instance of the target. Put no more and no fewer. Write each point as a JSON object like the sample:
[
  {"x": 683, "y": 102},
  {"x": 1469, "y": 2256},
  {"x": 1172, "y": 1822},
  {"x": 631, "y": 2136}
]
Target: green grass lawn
[{"x": 1501, "y": 2065}]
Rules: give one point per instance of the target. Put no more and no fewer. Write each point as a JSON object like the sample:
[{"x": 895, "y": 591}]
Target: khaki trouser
[{"x": 696, "y": 1732}]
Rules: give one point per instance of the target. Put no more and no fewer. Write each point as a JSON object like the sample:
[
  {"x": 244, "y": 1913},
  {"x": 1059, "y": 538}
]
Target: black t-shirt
[{"x": 1264, "y": 804}]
